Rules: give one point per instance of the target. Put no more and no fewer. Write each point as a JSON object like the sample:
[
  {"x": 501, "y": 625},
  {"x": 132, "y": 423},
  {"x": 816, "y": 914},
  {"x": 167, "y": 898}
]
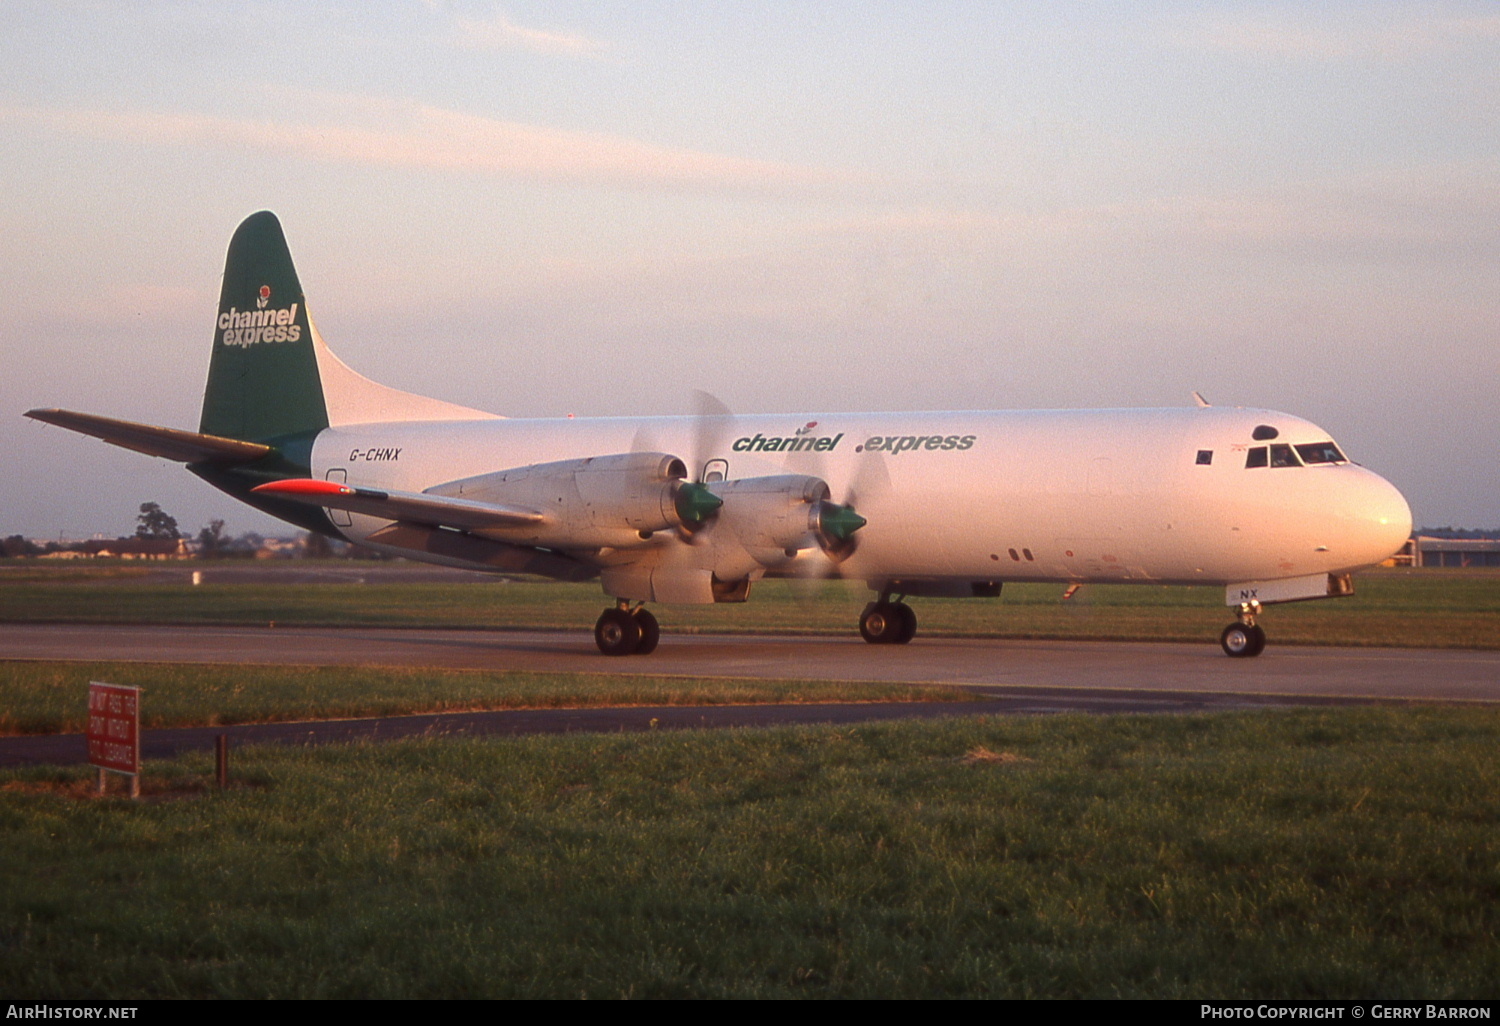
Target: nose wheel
[
  {"x": 625, "y": 631},
  {"x": 1244, "y": 639}
]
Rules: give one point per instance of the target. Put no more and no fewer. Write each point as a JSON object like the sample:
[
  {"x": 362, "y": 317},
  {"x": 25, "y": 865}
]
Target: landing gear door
[{"x": 340, "y": 517}]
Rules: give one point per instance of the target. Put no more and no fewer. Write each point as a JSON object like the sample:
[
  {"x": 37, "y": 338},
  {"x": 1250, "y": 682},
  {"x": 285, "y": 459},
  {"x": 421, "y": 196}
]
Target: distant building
[
  {"x": 139, "y": 548},
  {"x": 280, "y": 548},
  {"x": 1426, "y": 550}
]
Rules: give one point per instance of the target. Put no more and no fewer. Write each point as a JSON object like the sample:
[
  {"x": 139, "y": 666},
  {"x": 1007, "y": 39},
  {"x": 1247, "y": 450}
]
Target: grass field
[
  {"x": 47, "y": 697},
  {"x": 1281, "y": 854},
  {"x": 1278, "y": 854},
  {"x": 1421, "y": 608}
]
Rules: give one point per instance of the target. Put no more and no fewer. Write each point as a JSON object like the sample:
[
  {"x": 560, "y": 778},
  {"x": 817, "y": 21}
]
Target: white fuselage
[{"x": 1052, "y": 495}]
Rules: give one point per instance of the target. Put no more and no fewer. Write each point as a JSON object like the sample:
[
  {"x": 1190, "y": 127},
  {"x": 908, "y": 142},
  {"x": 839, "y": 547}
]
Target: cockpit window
[
  {"x": 1282, "y": 456},
  {"x": 1287, "y": 455},
  {"x": 1320, "y": 452}
]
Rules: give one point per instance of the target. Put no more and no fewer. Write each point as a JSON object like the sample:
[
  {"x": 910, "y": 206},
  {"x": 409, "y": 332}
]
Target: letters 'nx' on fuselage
[{"x": 696, "y": 509}]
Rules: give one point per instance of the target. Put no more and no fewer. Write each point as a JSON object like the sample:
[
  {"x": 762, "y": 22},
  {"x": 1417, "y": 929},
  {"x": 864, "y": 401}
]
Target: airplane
[{"x": 697, "y": 509}]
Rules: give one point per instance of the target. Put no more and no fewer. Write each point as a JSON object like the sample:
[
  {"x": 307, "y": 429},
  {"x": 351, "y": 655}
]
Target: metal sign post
[{"x": 114, "y": 732}]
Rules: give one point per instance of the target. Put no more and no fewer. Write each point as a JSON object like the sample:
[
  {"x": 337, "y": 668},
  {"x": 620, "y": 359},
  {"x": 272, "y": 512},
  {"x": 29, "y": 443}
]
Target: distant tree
[
  {"x": 316, "y": 546},
  {"x": 17, "y": 545},
  {"x": 154, "y": 523},
  {"x": 1458, "y": 532},
  {"x": 211, "y": 538}
]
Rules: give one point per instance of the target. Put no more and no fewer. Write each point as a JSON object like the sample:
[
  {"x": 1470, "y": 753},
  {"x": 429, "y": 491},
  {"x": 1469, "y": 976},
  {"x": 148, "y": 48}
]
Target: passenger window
[
  {"x": 1256, "y": 457},
  {"x": 1282, "y": 456},
  {"x": 1320, "y": 452},
  {"x": 1205, "y": 457}
]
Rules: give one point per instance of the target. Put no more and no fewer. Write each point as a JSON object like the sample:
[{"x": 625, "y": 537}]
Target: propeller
[
  {"x": 713, "y": 423},
  {"x": 838, "y": 523},
  {"x": 834, "y": 523}
]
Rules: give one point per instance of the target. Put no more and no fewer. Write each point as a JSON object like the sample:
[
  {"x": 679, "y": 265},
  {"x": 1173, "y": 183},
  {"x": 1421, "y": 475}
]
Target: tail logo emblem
[{"x": 264, "y": 297}]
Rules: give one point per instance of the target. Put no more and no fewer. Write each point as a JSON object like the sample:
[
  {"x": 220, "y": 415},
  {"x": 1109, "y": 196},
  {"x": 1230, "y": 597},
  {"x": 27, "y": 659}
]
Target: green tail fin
[{"x": 263, "y": 380}]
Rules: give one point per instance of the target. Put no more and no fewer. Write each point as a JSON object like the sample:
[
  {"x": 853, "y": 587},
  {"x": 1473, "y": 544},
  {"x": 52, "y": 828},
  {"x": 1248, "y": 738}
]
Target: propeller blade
[
  {"x": 644, "y": 440},
  {"x": 871, "y": 480},
  {"x": 713, "y": 424}
]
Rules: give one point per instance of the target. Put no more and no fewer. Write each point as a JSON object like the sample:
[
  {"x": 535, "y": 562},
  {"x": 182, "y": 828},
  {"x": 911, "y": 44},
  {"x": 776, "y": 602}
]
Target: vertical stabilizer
[
  {"x": 271, "y": 378},
  {"x": 263, "y": 381}
]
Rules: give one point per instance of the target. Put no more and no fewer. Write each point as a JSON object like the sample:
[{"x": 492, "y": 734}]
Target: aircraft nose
[{"x": 1377, "y": 519}]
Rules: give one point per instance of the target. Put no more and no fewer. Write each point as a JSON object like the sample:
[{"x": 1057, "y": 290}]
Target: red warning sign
[{"x": 114, "y": 731}]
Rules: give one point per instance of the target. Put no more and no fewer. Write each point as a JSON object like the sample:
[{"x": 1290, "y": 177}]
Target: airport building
[{"x": 1424, "y": 550}]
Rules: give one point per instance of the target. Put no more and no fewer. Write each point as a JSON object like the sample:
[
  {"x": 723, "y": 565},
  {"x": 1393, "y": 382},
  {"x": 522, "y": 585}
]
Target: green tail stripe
[{"x": 263, "y": 383}]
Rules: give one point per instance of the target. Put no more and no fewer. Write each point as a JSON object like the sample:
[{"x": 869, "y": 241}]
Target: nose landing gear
[
  {"x": 1244, "y": 638},
  {"x": 625, "y": 631}
]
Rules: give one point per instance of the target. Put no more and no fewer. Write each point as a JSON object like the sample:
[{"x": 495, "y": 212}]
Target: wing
[
  {"x": 168, "y": 443},
  {"x": 409, "y": 507}
]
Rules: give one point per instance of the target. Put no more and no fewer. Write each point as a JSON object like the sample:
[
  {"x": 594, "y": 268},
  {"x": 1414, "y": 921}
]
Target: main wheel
[
  {"x": 881, "y": 623},
  {"x": 1258, "y": 636},
  {"x": 617, "y": 633},
  {"x": 908, "y": 624},
  {"x": 650, "y": 632},
  {"x": 1242, "y": 642}
]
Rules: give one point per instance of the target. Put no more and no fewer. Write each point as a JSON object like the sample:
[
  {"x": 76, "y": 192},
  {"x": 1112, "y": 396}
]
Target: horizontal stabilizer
[
  {"x": 168, "y": 443},
  {"x": 412, "y": 507}
]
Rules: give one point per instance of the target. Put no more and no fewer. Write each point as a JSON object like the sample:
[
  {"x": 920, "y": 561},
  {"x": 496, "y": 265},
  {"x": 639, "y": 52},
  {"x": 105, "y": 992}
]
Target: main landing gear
[
  {"x": 625, "y": 631},
  {"x": 888, "y": 623},
  {"x": 1244, "y": 638}
]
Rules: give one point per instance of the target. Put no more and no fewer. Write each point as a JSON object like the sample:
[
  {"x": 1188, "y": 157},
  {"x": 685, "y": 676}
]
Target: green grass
[
  {"x": 18, "y": 570},
  {"x": 50, "y": 697},
  {"x": 1292, "y": 854},
  {"x": 1423, "y": 608}
]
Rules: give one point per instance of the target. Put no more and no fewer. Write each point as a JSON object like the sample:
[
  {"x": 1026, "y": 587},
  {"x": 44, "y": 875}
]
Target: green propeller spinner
[
  {"x": 695, "y": 503},
  {"x": 839, "y": 522}
]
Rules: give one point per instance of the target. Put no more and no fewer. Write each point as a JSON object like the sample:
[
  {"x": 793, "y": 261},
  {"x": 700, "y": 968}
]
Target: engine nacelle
[
  {"x": 601, "y": 501},
  {"x": 763, "y": 524},
  {"x": 772, "y": 517}
]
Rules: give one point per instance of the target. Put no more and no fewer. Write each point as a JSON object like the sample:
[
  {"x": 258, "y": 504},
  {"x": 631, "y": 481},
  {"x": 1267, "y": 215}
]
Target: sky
[{"x": 598, "y": 208}]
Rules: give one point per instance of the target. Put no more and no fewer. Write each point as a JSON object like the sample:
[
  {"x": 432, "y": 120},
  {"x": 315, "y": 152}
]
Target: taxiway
[{"x": 1287, "y": 673}]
